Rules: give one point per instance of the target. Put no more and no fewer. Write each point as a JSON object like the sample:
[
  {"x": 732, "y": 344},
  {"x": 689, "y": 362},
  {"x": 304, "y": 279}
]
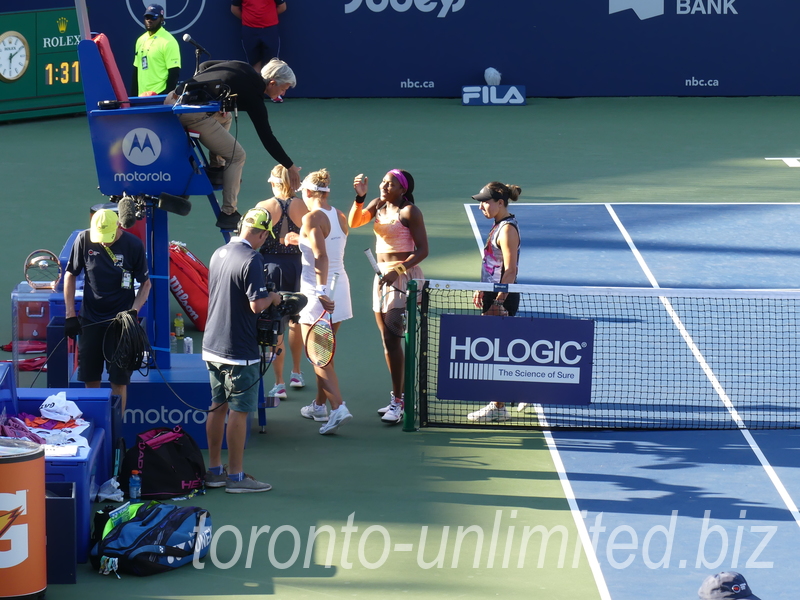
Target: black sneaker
[{"x": 230, "y": 222}]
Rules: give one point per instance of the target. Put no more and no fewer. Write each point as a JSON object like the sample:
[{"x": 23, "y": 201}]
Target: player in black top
[
  {"x": 249, "y": 87},
  {"x": 283, "y": 267}
]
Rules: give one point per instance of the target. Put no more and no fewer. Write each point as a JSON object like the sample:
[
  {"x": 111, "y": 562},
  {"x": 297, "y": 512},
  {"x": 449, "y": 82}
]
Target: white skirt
[{"x": 341, "y": 297}]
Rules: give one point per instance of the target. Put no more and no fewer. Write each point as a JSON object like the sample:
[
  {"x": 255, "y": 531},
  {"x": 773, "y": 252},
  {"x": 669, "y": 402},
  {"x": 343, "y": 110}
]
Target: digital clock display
[
  {"x": 62, "y": 73},
  {"x": 58, "y": 73}
]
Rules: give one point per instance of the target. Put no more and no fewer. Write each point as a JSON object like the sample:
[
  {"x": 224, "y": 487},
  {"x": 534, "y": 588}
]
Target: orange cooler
[{"x": 23, "y": 550}]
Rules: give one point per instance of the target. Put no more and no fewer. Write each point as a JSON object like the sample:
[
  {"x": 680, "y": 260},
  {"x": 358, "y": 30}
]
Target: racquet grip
[{"x": 373, "y": 262}]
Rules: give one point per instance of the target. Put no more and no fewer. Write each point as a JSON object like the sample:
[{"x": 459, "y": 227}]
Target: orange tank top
[{"x": 391, "y": 235}]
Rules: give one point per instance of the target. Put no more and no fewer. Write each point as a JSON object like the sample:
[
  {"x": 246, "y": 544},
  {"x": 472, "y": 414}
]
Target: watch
[{"x": 15, "y": 56}]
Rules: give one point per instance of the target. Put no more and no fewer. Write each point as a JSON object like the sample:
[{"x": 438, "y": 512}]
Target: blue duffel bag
[{"x": 145, "y": 538}]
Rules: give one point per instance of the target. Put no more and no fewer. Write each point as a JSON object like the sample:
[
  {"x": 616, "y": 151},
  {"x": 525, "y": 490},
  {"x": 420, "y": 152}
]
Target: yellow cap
[
  {"x": 104, "y": 226},
  {"x": 258, "y": 218}
]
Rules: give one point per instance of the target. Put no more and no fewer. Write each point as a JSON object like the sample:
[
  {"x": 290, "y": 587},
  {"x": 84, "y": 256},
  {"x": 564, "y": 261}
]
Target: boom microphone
[
  {"x": 174, "y": 204},
  {"x": 188, "y": 38},
  {"x": 127, "y": 212}
]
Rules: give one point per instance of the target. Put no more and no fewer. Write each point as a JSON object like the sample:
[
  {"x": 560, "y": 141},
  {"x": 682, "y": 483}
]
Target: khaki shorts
[{"x": 388, "y": 297}]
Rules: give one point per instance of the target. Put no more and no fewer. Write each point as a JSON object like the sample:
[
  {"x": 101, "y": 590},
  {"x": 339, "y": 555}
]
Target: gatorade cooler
[{"x": 23, "y": 545}]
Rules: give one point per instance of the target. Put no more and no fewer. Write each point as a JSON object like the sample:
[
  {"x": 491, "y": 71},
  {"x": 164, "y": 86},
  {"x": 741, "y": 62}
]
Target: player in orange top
[{"x": 401, "y": 244}]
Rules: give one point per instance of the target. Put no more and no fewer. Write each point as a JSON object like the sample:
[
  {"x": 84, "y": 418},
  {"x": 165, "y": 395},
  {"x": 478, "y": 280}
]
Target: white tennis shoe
[
  {"x": 315, "y": 411},
  {"x": 491, "y": 413}
]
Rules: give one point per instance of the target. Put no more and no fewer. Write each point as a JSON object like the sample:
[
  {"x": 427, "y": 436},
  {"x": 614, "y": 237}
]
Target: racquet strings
[{"x": 320, "y": 343}]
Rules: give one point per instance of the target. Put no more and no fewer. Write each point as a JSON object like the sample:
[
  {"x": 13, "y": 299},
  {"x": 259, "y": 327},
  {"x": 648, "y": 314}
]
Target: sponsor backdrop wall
[{"x": 431, "y": 48}]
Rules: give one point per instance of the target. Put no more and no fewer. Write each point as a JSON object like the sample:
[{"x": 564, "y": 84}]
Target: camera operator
[{"x": 237, "y": 295}]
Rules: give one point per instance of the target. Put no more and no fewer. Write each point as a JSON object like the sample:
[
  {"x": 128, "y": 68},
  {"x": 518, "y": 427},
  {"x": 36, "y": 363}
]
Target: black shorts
[
  {"x": 92, "y": 342},
  {"x": 261, "y": 44},
  {"x": 511, "y": 302},
  {"x": 284, "y": 271}
]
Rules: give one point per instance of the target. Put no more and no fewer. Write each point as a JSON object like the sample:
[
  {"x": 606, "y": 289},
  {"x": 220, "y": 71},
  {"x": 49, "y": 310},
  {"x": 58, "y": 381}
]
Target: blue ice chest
[
  {"x": 92, "y": 466},
  {"x": 82, "y": 470},
  {"x": 8, "y": 389}
]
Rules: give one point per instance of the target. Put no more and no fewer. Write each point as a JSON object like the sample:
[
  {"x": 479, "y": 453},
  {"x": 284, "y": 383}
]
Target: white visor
[{"x": 307, "y": 185}]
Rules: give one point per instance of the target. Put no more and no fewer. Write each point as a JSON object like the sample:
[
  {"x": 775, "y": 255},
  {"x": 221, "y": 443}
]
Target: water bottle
[
  {"x": 188, "y": 345},
  {"x": 173, "y": 342},
  {"x": 178, "y": 324},
  {"x": 135, "y": 486}
]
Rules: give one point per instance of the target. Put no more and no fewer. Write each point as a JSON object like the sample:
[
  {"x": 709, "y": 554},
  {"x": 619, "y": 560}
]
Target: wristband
[
  {"x": 321, "y": 290},
  {"x": 400, "y": 269},
  {"x": 360, "y": 199}
]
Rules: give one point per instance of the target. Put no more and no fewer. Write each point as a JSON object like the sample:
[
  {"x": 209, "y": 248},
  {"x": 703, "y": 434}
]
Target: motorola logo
[
  {"x": 141, "y": 146},
  {"x": 180, "y": 15}
]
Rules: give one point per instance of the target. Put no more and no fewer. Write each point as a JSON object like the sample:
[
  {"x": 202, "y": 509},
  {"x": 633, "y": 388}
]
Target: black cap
[
  {"x": 487, "y": 194},
  {"x": 154, "y": 10},
  {"x": 724, "y": 586}
]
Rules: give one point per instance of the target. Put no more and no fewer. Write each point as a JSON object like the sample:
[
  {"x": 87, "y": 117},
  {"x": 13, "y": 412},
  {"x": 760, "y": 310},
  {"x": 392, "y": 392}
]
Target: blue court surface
[{"x": 664, "y": 509}]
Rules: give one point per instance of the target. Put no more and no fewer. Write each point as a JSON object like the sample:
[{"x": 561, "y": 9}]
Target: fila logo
[
  {"x": 482, "y": 95},
  {"x": 12, "y": 507},
  {"x": 141, "y": 146}
]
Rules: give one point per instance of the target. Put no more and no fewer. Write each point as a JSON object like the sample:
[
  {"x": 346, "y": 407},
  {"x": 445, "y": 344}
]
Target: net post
[{"x": 409, "y": 391}]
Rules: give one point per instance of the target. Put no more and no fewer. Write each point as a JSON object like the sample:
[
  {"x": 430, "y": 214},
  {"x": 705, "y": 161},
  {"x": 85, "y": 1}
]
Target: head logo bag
[
  {"x": 146, "y": 538},
  {"x": 169, "y": 461}
]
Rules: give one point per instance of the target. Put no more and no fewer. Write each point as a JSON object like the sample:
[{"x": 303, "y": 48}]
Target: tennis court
[
  {"x": 663, "y": 509},
  {"x": 562, "y": 153}
]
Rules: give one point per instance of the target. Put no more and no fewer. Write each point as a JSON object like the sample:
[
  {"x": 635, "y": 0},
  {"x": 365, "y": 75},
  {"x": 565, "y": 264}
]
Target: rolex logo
[{"x": 62, "y": 24}]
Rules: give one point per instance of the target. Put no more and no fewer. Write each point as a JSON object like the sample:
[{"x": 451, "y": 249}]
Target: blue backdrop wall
[{"x": 414, "y": 48}]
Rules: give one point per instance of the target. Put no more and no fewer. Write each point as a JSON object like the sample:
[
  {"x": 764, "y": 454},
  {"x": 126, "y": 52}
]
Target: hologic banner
[{"x": 515, "y": 359}]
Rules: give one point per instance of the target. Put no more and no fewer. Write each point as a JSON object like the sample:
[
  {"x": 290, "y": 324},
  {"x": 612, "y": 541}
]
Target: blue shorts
[
  {"x": 235, "y": 384},
  {"x": 261, "y": 44}
]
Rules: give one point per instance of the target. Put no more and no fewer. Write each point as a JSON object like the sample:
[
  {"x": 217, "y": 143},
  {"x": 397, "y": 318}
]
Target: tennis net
[{"x": 661, "y": 358}]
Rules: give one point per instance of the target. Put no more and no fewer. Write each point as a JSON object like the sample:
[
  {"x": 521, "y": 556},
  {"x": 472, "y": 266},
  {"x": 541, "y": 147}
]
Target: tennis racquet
[
  {"x": 321, "y": 341},
  {"x": 394, "y": 323}
]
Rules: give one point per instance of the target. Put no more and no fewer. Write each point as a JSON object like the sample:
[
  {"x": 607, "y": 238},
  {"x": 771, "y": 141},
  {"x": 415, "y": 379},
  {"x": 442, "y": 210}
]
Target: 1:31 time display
[{"x": 64, "y": 72}]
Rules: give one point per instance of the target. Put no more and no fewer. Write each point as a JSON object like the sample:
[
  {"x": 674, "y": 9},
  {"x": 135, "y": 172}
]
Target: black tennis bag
[{"x": 169, "y": 463}]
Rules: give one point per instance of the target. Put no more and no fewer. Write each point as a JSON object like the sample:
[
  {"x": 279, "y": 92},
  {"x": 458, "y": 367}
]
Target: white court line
[
  {"x": 474, "y": 226},
  {"x": 566, "y": 486},
  {"x": 773, "y": 476}
]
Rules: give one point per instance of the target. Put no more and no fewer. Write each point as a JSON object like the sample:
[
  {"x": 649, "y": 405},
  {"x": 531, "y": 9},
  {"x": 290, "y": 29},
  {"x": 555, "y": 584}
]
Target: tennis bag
[
  {"x": 188, "y": 282},
  {"x": 169, "y": 462},
  {"x": 145, "y": 538}
]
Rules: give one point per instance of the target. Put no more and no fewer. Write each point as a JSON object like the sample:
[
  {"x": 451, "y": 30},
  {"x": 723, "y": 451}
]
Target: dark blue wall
[{"x": 554, "y": 47}]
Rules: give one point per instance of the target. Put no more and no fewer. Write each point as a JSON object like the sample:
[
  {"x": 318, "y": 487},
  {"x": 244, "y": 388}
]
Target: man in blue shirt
[{"x": 237, "y": 293}]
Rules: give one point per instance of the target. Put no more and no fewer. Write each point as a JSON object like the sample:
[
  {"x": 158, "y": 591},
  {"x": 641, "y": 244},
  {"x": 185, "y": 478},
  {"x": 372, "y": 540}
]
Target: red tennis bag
[{"x": 188, "y": 280}]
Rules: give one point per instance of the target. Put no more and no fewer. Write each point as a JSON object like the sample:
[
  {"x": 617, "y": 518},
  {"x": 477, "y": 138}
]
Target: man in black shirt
[
  {"x": 111, "y": 259},
  {"x": 244, "y": 81}
]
